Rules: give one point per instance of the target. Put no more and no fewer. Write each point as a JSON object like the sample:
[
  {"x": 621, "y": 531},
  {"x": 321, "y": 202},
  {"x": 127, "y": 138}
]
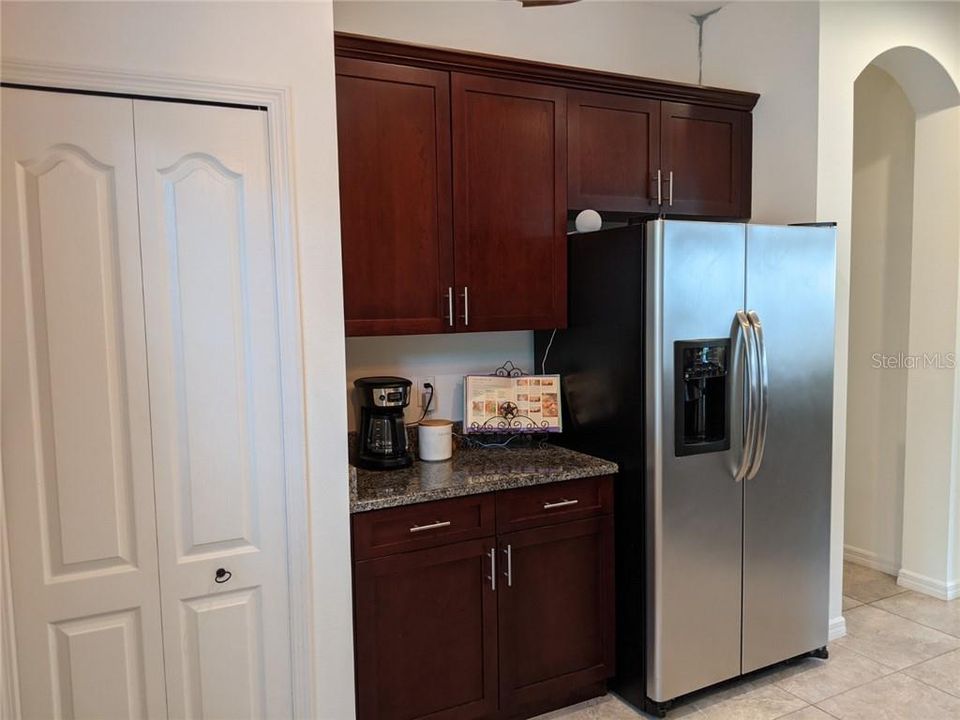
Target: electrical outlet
[{"x": 423, "y": 392}]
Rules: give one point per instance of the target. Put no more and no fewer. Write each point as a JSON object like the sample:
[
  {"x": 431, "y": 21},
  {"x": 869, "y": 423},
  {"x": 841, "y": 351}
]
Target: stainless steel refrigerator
[{"x": 700, "y": 357}]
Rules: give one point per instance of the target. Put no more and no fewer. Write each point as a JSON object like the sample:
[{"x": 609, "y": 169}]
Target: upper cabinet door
[
  {"x": 614, "y": 152},
  {"x": 509, "y": 164},
  {"x": 393, "y": 126},
  {"x": 708, "y": 152}
]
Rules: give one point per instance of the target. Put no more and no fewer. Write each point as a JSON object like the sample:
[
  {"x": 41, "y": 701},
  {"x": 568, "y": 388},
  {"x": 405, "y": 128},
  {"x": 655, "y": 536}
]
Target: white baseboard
[
  {"x": 867, "y": 558},
  {"x": 928, "y": 585},
  {"x": 838, "y": 628}
]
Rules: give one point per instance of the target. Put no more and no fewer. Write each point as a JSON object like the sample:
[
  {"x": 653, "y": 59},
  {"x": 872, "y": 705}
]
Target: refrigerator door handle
[
  {"x": 763, "y": 386},
  {"x": 745, "y": 346}
]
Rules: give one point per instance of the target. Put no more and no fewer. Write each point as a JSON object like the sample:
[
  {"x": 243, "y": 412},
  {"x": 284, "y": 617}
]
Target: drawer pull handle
[
  {"x": 562, "y": 503},
  {"x": 432, "y": 526}
]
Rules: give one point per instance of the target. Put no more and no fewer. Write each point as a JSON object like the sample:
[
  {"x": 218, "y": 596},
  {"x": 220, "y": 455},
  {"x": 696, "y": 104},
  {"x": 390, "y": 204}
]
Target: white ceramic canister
[{"x": 435, "y": 440}]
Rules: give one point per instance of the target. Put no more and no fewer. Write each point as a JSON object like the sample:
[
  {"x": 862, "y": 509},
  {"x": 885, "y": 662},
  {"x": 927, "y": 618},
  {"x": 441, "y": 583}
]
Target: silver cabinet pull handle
[
  {"x": 560, "y": 504},
  {"x": 671, "y": 187},
  {"x": 432, "y": 526},
  {"x": 659, "y": 187},
  {"x": 508, "y": 551},
  {"x": 450, "y": 306},
  {"x": 466, "y": 306},
  {"x": 492, "y": 577},
  {"x": 762, "y": 401}
]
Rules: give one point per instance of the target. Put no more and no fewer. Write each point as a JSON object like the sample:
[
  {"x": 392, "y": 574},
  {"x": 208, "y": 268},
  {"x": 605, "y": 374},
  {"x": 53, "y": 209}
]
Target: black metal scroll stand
[{"x": 508, "y": 428}]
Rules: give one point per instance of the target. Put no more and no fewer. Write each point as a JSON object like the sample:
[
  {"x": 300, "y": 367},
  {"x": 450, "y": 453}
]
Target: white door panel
[
  {"x": 213, "y": 348},
  {"x": 216, "y": 625},
  {"x": 99, "y": 667},
  {"x": 76, "y": 433},
  {"x": 208, "y": 301}
]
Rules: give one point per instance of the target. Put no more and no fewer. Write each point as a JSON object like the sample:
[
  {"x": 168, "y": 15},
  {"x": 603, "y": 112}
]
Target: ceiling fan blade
[{"x": 544, "y": 3}]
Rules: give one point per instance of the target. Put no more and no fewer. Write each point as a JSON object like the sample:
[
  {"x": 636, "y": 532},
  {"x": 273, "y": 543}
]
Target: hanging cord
[
  {"x": 700, "y": 20},
  {"x": 426, "y": 408},
  {"x": 543, "y": 363}
]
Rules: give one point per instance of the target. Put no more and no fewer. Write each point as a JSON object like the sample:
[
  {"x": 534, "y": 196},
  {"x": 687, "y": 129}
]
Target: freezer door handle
[
  {"x": 763, "y": 400},
  {"x": 745, "y": 346}
]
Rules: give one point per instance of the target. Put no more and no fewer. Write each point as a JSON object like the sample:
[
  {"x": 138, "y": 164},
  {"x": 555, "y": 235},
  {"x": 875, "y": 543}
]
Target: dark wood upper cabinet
[
  {"x": 457, "y": 171},
  {"x": 426, "y": 634},
  {"x": 555, "y": 611},
  {"x": 708, "y": 152},
  {"x": 613, "y": 152},
  {"x": 509, "y": 203},
  {"x": 642, "y": 156},
  {"x": 393, "y": 125}
]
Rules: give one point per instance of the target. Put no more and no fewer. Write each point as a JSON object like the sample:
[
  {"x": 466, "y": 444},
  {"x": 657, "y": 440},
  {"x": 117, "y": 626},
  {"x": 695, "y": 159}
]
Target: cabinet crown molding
[{"x": 402, "y": 53}]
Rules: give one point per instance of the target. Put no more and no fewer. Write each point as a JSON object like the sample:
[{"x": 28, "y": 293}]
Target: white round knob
[{"x": 588, "y": 221}]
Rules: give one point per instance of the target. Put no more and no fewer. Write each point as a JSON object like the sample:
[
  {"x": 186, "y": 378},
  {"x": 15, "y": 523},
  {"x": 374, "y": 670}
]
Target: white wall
[
  {"x": 930, "y": 504},
  {"x": 766, "y": 47},
  {"x": 879, "y": 319},
  {"x": 276, "y": 44},
  {"x": 443, "y": 358},
  {"x": 851, "y": 36}
]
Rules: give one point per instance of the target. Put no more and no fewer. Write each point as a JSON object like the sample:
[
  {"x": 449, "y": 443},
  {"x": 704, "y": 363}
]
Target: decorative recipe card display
[{"x": 529, "y": 403}]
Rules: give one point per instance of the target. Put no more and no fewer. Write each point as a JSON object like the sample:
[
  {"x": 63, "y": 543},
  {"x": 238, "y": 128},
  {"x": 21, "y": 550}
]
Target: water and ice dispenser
[{"x": 702, "y": 410}]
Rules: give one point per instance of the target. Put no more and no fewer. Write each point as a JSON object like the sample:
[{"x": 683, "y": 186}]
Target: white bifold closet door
[
  {"x": 142, "y": 436},
  {"x": 213, "y": 352},
  {"x": 77, "y": 468}
]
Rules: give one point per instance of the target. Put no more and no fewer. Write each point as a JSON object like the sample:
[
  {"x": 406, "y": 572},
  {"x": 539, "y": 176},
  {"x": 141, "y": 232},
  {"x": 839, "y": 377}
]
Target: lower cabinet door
[
  {"x": 556, "y": 613},
  {"x": 426, "y": 634}
]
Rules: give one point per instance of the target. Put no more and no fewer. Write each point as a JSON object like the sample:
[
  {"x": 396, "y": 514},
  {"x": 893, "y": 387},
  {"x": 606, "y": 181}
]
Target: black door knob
[{"x": 222, "y": 575}]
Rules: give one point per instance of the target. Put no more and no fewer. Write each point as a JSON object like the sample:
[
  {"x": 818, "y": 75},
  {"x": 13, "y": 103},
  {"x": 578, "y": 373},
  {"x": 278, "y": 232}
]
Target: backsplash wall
[{"x": 446, "y": 358}]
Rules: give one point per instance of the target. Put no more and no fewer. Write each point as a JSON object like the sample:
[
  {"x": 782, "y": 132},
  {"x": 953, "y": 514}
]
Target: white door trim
[
  {"x": 9, "y": 680},
  {"x": 276, "y": 100}
]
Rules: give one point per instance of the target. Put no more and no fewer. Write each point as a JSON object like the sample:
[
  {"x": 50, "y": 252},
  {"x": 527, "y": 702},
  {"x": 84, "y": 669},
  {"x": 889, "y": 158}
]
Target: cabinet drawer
[
  {"x": 413, "y": 527},
  {"x": 553, "y": 503}
]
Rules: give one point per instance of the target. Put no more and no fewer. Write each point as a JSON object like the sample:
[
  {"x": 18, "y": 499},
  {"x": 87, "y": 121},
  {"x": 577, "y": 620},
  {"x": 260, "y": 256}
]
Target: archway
[
  {"x": 881, "y": 240},
  {"x": 901, "y": 509}
]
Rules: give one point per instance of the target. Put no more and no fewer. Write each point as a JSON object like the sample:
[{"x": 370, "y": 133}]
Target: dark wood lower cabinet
[
  {"x": 426, "y": 634},
  {"x": 505, "y": 626},
  {"x": 556, "y": 612}
]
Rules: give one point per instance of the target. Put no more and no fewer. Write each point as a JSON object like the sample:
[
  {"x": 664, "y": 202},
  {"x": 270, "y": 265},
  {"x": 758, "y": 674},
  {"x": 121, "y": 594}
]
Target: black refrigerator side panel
[
  {"x": 600, "y": 358},
  {"x": 600, "y": 354}
]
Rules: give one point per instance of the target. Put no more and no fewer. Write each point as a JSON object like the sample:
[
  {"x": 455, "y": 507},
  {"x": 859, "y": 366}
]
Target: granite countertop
[{"x": 471, "y": 471}]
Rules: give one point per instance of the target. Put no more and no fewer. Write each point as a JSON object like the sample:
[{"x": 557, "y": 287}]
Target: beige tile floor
[{"x": 900, "y": 660}]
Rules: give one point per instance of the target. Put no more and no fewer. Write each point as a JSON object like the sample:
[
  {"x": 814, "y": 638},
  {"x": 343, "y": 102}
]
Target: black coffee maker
[{"x": 383, "y": 433}]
